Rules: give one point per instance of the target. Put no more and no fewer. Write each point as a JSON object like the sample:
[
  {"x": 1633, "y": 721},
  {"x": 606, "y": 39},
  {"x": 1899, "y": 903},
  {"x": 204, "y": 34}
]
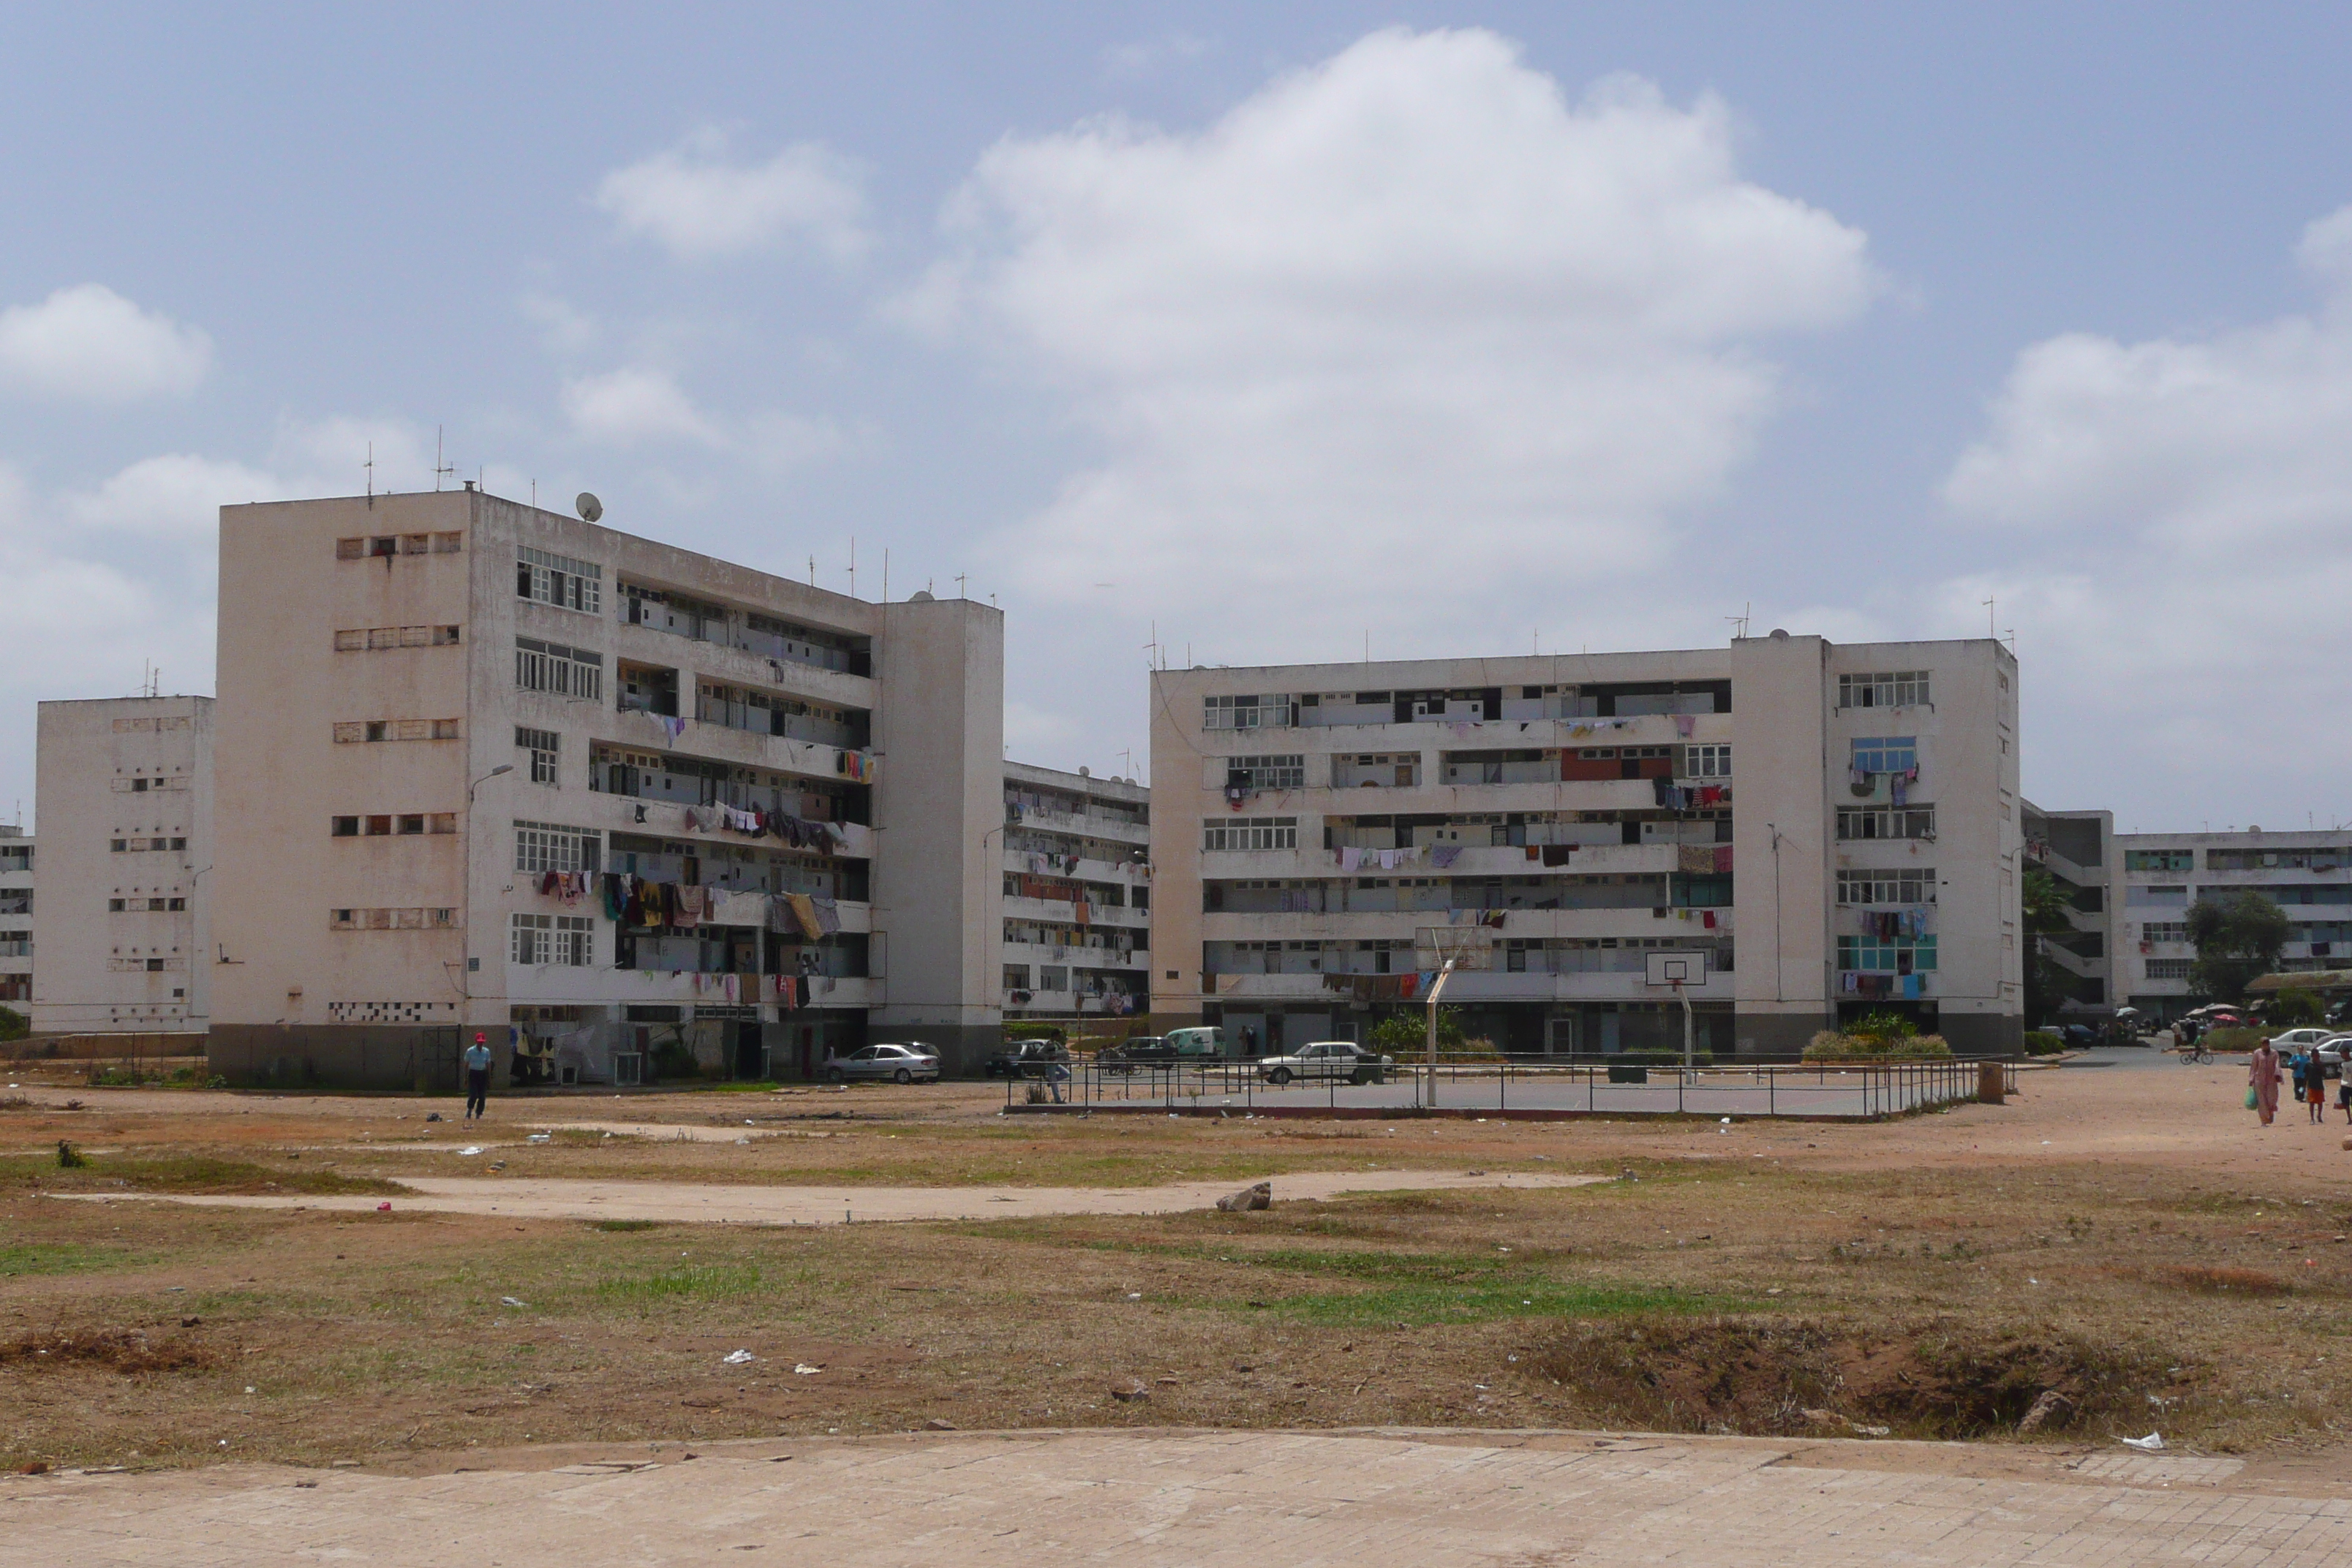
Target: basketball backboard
[
  {"x": 1469, "y": 947},
  {"x": 1669, "y": 966}
]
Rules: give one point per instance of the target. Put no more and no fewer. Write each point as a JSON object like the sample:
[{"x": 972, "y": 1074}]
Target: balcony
[
  {"x": 1479, "y": 986},
  {"x": 559, "y": 985},
  {"x": 1875, "y": 987},
  {"x": 1062, "y": 1003},
  {"x": 1055, "y": 911},
  {"x": 1475, "y": 861},
  {"x": 1083, "y": 825},
  {"x": 629, "y": 814}
]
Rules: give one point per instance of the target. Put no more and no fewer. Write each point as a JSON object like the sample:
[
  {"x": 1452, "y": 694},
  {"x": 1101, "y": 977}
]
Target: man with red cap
[{"x": 478, "y": 1077}]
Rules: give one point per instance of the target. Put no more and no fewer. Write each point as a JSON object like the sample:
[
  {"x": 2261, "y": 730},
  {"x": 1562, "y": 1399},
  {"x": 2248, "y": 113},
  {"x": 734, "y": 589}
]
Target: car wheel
[
  {"x": 834, "y": 1075},
  {"x": 1359, "y": 1077},
  {"x": 903, "y": 1076},
  {"x": 1279, "y": 1077}
]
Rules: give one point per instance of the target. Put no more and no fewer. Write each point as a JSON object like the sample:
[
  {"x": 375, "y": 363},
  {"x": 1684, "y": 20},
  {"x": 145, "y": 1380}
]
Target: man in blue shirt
[{"x": 477, "y": 1078}]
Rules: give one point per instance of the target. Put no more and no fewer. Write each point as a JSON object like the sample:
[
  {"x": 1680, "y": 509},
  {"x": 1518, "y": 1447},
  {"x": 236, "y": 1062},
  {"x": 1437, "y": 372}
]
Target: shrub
[
  {"x": 1832, "y": 1046},
  {"x": 1053, "y": 1032},
  {"x": 2291, "y": 1008},
  {"x": 2042, "y": 1043},
  {"x": 1403, "y": 1032},
  {"x": 13, "y": 1024},
  {"x": 2234, "y": 1039}
]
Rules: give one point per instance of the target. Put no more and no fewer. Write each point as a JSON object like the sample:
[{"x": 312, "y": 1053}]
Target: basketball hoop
[
  {"x": 1464, "y": 947},
  {"x": 1674, "y": 969}
]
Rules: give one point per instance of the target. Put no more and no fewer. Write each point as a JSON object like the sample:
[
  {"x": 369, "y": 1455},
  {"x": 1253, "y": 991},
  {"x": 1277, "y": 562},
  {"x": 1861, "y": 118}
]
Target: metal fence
[{"x": 1856, "y": 1091}]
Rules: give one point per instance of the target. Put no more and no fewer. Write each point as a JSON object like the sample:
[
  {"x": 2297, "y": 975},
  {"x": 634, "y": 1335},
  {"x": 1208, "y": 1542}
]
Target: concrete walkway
[
  {"x": 556, "y": 1198},
  {"x": 1151, "y": 1497}
]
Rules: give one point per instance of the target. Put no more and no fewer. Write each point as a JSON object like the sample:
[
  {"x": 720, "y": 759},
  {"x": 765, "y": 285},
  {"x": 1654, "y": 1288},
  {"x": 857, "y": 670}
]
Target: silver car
[
  {"x": 1327, "y": 1060},
  {"x": 896, "y": 1064}
]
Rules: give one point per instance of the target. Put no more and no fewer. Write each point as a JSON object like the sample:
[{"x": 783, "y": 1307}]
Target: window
[
  {"x": 543, "y": 745},
  {"x": 2174, "y": 896},
  {"x": 553, "y": 938},
  {"x": 1887, "y": 822},
  {"x": 2164, "y": 931},
  {"x": 393, "y": 919},
  {"x": 444, "y": 821},
  {"x": 1885, "y": 754},
  {"x": 351, "y": 550},
  {"x": 343, "y": 827},
  {"x": 369, "y": 731},
  {"x": 1250, "y": 833},
  {"x": 560, "y": 670},
  {"x": 1706, "y": 761},
  {"x": 1265, "y": 773},
  {"x": 447, "y": 543},
  {"x": 2159, "y": 859},
  {"x": 117, "y": 845},
  {"x": 413, "y": 822},
  {"x": 375, "y": 639},
  {"x": 114, "y": 906},
  {"x": 1907, "y": 885},
  {"x": 1898, "y": 689},
  {"x": 542, "y": 846},
  {"x": 2166, "y": 968},
  {"x": 1245, "y": 712},
  {"x": 548, "y": 578},
  {"x": 1903, "y": 955}
]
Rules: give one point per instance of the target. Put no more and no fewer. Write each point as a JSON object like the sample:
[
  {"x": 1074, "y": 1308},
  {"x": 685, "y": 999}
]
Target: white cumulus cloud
[
  {"x": 1407, "y": 338},
  {"x": 90, "y": 345},
  {"x": 2176, "y": 517},
  {"x": 175, "y": 496},
  {"x": 637, "y": 404},
  {"x": 700, "y": 206}
]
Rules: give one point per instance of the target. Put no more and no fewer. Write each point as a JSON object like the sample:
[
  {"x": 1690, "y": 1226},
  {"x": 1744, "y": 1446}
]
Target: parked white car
[
  {"x": 1327, "y": 1060},
  {"x": 896, "y": 1064},
  {"x": 2295, "y": 1040}
]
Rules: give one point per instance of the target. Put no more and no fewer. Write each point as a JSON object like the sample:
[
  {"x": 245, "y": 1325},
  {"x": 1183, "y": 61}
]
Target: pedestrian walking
[
  {"x": 477, "y": 1078},
  {"x": 2263, "y": 1077},
  {"x": 2315, "y": 1086}
]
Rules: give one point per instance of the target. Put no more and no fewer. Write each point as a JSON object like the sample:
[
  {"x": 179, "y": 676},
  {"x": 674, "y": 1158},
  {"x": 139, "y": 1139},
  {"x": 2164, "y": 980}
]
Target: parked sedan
[
  {"x": 1327, "y": 1060},
  {"x": 2293, "y": 1040},
  {"x": 898, "y": 1063}
]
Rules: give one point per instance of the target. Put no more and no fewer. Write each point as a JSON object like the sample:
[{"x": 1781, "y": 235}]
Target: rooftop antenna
[
  {"x": 959, "y": 592},
  {"x": 370, "y": 466},
  {"x": 1740, "y": 622},
  {"x": 440, "y": 468},
  {"x": 811, "y": 570},
  {"x": 534, "y": 494},
  {"x": 853, "y": 566},
  {"x": 1989, "y": 620},
  {"x": 886, "y": 574}
]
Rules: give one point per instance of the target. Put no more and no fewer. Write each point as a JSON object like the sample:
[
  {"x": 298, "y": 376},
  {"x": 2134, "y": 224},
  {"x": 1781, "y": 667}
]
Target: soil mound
[
  {"x": 127, "y": 1351},
  {"x": 1761, "y": 1376}
]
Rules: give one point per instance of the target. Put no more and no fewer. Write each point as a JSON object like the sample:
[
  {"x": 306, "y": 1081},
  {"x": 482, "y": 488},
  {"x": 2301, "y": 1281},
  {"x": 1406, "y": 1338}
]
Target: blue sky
[{"x": 1269, "y": 329}]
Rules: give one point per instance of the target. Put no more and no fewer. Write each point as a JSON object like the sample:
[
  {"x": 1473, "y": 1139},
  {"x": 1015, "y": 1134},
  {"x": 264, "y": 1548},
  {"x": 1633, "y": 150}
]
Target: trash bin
[{"x": 1992, "y": 1081}]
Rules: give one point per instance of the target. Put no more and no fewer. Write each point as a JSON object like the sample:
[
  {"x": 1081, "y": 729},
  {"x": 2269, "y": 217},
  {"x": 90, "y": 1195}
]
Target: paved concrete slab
[
  {"x": 1254, "y": 1497},
  {"x": 559, "y": 1198}
]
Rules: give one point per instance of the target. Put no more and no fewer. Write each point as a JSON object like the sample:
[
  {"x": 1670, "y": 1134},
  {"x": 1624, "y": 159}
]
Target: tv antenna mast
[{"x": 440, "y": 468}]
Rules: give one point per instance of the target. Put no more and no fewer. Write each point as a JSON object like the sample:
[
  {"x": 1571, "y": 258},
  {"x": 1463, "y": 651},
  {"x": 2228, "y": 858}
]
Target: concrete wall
[
  {"x": 19, "y": 865},
  {"x": 1783, "y": 829},
  {"x": 938, "y": 808},
  {"x": 92, "y": 972}
]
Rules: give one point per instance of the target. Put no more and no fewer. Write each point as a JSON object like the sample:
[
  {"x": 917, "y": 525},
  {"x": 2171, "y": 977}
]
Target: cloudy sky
[{"x": 1269, "y": 332}]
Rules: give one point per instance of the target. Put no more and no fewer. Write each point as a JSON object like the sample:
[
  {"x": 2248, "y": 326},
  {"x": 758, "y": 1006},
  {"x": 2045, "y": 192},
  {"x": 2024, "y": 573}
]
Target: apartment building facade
[
  {"x": 124, "y": 802},
  {"x": 489, "y": 768},
  {"x": 2080, "y": 852},
  {"x": 1077, "y": 896},
  {"x": 17, "y": 867},
  {"x": 2307, "y": 873},
  {"x": 1830, "y": 829}
]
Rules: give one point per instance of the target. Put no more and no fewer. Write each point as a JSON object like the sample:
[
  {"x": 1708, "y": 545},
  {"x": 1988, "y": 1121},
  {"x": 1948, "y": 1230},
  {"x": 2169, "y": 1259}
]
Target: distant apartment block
[
  {"x": 16, "y": 919},
  {"x": 1832, "y": 829},
  {"x": 1077, "y": 895},
  {"x": 125, "y": 804},
  {"x": 2080, "y": 852},
  {"x": 2307, "y": 873},
  {"x": 484, "y": 767}
]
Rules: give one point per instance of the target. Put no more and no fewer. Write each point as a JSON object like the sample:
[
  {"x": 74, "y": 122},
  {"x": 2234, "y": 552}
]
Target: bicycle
[{"x": 2195, "y": 1051}]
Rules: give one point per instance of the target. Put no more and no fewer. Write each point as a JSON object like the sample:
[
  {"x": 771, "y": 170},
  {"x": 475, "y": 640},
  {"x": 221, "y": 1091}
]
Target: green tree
[
  {"x": 2289, "y": 1008},
  {"x": 1401, "y": 1033},
  {"x": 2237, "y": 938},
  {"x": 2042, "y": 910},
  {"x": 12, "y": 1024}
]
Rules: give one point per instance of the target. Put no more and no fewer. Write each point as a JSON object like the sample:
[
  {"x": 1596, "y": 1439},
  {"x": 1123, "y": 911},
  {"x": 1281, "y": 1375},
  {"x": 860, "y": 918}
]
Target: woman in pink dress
[{"x": 2262, "y": 1072}]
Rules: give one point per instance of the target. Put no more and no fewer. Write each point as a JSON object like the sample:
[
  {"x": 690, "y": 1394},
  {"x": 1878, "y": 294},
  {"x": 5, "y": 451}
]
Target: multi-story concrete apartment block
[
  {"x": 1077, "y": 894},
  {"x": 2307, "y": 873},
  {"x": 2079, "y": 850},
  {"x": 124, "y": 802},
  {"x": 490, "y": 768},
  {"x": 1834, "y": 828},
  {"x": 16, "y": 919}
]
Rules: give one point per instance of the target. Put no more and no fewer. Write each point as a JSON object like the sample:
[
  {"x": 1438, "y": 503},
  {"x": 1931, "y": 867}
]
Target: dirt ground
[{"x": 2122, "y": 1239}]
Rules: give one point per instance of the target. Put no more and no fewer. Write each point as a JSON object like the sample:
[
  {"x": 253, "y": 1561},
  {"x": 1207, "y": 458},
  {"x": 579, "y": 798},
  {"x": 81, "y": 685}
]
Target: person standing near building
[
  {"x": 477, "y": 1078},
  {"x": 2315, "y": 1084},
  {"x": 2262, "y": 1074}
]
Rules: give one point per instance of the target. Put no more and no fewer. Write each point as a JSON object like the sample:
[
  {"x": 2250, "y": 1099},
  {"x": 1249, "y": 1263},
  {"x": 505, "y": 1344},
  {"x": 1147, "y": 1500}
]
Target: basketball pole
[
  {"x": 1436, "y": 989},
  {"x": 1689, "y": 1053}
]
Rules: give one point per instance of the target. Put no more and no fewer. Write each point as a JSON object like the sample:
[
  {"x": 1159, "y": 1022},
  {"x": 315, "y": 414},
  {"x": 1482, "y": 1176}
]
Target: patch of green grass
[
  {"x": 62, "y": 1258},
  {"x": 767, "y": 1087},
  {"x": 186, "y": 1174},
  {"x": 624, "y": 1225},
  {"x": 701, "y": 1282},
  {"x": 1417, "y": 1305}
]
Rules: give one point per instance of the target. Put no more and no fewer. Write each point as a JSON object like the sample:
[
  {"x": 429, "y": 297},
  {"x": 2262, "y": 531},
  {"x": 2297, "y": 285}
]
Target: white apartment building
[
  {"x": 2307, "y": 873},
  {"x": 1077, "y": 895},
  {"x": 1835, "y": 829},
  {"x": 489, "y": 768},
  {"x": 17, "y": 919},
  {"x": 125, "y": 804}
]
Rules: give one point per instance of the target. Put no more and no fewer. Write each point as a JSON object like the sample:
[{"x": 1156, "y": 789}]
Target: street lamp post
[{"x": 465, "y": 892}]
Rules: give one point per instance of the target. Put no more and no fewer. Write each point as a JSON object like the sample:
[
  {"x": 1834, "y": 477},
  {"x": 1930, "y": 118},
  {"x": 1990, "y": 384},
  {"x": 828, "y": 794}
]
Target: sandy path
[
  {"x": 1038, "y": 1499},
  {"x": 527, "y": 1198}
]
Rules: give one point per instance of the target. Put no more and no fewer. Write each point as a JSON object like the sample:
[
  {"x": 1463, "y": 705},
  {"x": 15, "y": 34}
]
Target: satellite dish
[
  {"x": 588, "y": 507},
  {"x": 920, "y": 597}
]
